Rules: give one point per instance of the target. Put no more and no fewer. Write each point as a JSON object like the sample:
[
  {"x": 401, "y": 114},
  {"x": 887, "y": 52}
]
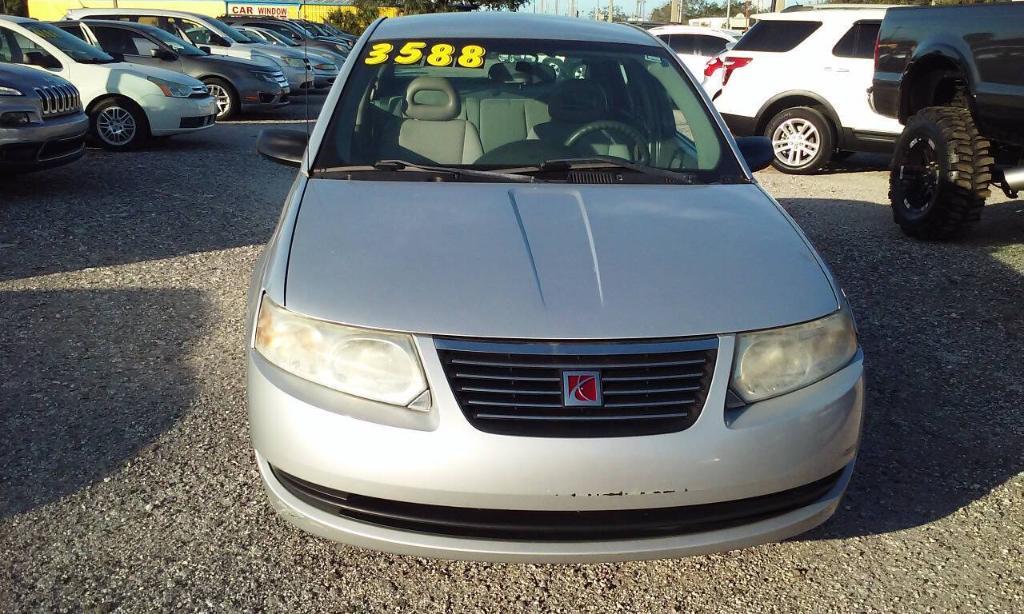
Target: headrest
[
  {"x": 578, "y": 101},
  {"x": 441, "y": 111}
]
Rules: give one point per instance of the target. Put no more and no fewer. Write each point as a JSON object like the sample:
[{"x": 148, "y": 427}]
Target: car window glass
[
  {"x": 7, "y": 49},
  {"x": 682, "y": 43},
  {"x": 115, "y": 40},
  {"x": 148, "y": 20},
  {"x": 75, "y": 30},
  {"x": 144, "y": 45},
  {"x": 23, "y": 50},
  {"x": 859, "y": 41},
  {"x": 201, "y": 35},
  {"x": 776, "y": 35},
  {"x": 708, "y": 45}
]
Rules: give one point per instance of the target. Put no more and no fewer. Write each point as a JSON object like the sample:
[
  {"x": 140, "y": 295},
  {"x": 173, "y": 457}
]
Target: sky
[{"x": 585, "y": 6}]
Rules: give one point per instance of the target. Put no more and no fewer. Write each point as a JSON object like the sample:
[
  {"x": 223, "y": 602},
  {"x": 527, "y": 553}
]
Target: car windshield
[
  {"x": 228, "y": 31},
  {"x": 501, "y": 104},
  {"x": 178, "y": 45},
  {"x": 249, "y": 34},
  {"x": 76, "y": 48},
  {"x": 280, "y": 38}
]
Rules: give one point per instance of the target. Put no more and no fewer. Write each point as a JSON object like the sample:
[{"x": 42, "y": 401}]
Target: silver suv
[{"x": 41, "y": 120}]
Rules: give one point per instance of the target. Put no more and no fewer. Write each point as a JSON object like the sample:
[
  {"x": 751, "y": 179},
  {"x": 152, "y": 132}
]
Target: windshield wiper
[
  {"x": 455, "y": 172},
  {"x": 597, "y": 162}
]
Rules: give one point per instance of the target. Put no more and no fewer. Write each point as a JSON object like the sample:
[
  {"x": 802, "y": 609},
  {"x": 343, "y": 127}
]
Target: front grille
[
  {"x": 536, "y": 525},
  {"x": 516, "y": 388},
  {"x": 58, "y": 100}
]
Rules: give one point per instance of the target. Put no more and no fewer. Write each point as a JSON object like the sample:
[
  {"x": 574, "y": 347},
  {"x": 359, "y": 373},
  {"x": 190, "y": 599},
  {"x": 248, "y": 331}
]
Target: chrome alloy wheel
[
  {"x": 796, "y": 142},
  {"x": 222, "y": 97},
  {"x": 116, "y": 126}
]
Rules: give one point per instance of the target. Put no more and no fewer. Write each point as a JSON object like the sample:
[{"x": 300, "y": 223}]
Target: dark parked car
[
  {"x": 41, "y": 120},
  {"x": 333, "y": 49},
  {"x": 238, "y": 85},
  {"x": 953, "y": 77}
]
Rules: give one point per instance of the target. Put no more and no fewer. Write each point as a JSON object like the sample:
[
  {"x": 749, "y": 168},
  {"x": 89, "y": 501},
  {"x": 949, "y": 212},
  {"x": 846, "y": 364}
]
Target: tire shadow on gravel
[
  {"x": 88, "y": 378},
  {"x": 942, "y": 328}
]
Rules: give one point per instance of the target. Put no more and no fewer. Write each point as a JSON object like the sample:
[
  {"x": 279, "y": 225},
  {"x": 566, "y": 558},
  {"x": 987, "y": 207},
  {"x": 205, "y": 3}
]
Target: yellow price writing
[
  {"x": 438, "y": 54},
  {"x": 379, "y": 53}
]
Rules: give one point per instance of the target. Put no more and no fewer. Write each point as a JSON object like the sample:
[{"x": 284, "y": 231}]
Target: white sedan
[{"x": 695, "y": 45}]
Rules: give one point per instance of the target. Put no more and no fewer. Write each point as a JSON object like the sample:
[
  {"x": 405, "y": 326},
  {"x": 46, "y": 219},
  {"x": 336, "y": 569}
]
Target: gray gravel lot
[{"x": 127, "y": 481}]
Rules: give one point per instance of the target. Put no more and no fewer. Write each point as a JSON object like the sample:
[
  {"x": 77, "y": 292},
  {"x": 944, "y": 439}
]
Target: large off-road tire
[
  {"x": 940, "y": 176},
  {"x": 802, "y": 140}
]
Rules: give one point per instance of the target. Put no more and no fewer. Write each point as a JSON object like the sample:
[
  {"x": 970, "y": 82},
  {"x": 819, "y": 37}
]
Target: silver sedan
[{"x": 526, "y": 302}]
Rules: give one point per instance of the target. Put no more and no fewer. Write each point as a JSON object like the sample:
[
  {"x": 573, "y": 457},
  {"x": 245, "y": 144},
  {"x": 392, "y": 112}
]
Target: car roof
[
  {"x": 132, "y": 11},
  {"x": 16, "y": 19},
  {"x": 849, "y": 15},
  {"x": 493, "y": 24},
  {"x": 129, "y": 25},
  {"x": 684, "y": 29}
]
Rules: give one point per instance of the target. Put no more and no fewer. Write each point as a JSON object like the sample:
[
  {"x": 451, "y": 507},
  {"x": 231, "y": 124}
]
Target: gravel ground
[{"x": 127, "y": 480}]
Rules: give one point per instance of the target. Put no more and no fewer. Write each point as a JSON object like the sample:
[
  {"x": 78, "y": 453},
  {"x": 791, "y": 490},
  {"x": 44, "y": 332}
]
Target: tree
[
  {"x": 366, "y": 11},
  {"x": 14, "y": 7},
  {"x": 600, "y": 12},
  {"x": 691, "y": 10}
]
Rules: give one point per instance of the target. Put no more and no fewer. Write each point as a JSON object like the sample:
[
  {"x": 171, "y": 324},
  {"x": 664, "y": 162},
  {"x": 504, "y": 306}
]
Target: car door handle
[{"x": 837, "y": 69}]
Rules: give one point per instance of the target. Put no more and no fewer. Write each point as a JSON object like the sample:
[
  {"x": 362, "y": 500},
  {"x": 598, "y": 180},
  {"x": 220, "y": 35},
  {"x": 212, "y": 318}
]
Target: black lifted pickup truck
[{"x": 954, "y": 77}]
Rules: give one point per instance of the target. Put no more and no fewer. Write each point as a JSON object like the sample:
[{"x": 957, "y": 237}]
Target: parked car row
[{"x": 121, "y": 76}]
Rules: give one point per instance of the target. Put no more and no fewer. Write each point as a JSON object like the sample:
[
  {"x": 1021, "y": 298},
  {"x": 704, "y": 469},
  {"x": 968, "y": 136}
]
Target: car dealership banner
[{"x": 280, "y": 10}]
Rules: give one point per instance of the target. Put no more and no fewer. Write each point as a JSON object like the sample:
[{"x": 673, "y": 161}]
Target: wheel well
[
  {"x": 934, "y": 81},
  {"x": 128, "y": 102},
  {"x": 788, "y": 102}
]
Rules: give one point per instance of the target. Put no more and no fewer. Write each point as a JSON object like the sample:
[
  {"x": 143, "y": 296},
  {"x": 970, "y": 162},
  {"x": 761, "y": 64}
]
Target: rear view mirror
[
  {"x": 282, "y": 145},
  {"x": 757, "y": 151}
]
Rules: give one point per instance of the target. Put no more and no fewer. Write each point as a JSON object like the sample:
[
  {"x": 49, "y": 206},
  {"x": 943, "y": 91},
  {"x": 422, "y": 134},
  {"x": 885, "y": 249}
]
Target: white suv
[{"x": 801, "y": 79}]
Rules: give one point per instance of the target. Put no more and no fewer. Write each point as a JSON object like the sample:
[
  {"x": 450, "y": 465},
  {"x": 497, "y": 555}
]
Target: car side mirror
[
  {"x": 163, "y": 54},
  {"x": 42, "y": 60},
  {"x": 282, "y": 145},
  {"x": 757, "y": 151},
  {"x": 206, "y": 49}
]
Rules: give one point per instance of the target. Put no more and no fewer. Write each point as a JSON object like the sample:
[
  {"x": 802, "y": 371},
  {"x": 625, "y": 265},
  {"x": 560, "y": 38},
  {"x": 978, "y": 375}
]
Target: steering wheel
[{"x": 639, "y": 141}]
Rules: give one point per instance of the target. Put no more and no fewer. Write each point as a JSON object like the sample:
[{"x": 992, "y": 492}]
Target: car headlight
[
  {"x": 294, "y": 62},
  {"x": 375, "y": 365},
  {"x": 265, "y": 76},
  {"x": 171, "y": 88},
  {"x": 769, "y": 363},
  {"x": 9, "y": 91}
]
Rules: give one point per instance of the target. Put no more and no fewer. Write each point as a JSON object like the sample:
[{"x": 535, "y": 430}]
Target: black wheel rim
[{"x": 919, "y": 174}]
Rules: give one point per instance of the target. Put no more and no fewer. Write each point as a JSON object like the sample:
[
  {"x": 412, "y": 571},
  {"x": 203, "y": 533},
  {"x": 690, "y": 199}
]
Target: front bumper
[
  {"x": 169, "y": 115},
  {"x": 53, "y": 142},
  {"x": 439, "y": 459}
]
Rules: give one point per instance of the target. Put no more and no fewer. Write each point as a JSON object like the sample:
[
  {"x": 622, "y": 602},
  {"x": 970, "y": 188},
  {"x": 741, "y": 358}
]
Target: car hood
[
  {"x": 275, "y": 51},
  {"x": 152, "y": 71},
  {"x": 551, "y": 261},
  {"x": 228, "y": 61}
]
